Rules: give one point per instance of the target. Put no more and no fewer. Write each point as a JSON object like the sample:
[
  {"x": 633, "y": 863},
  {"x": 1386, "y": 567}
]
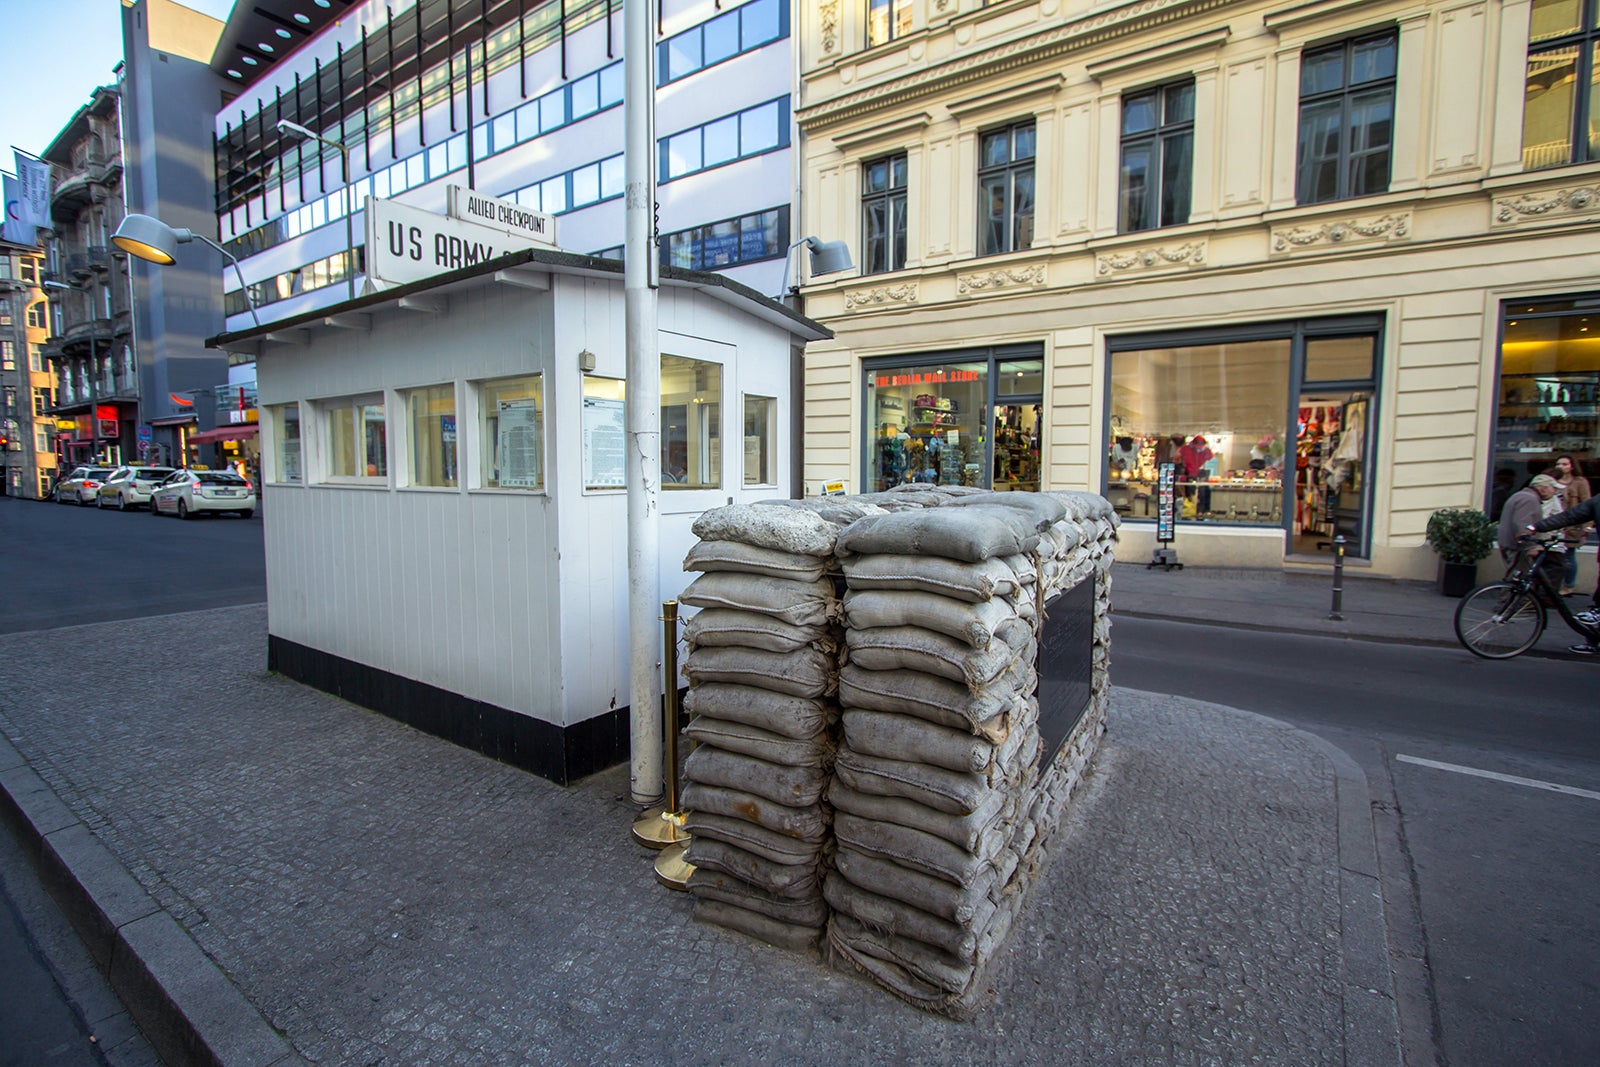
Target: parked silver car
[
  {"x": 80, "y": 486},
  {"x": 130, "y": 487}
]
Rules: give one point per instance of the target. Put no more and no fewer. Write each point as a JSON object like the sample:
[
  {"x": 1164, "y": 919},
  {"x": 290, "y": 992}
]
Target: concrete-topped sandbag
[
  {"x": 839, "y": 510},
  {"x": 753, "y": 559},
  {"x": 1044, "y": 510},
  {"x": 966, "y": 533},
  {"x": 781, "y": 529}
]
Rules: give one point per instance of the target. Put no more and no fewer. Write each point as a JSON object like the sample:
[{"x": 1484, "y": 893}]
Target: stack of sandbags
[
  {"x": 762, "y": 668},
  {"x": 934, "y": 778}
]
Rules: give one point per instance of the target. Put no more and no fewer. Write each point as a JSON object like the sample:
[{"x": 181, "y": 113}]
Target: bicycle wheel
[{"x": 1499, "y": 620}]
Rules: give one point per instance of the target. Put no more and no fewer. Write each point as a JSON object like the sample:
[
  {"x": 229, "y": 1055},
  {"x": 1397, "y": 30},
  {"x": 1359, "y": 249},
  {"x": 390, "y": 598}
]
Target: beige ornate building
[{"x": 1335, "y": 261}]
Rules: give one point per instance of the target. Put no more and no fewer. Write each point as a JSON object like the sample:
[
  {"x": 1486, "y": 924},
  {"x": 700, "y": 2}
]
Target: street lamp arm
[{"x": 231, "y": 258}]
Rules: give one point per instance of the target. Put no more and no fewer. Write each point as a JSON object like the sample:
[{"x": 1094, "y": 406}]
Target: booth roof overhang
[{"x": 524, "y": 269}]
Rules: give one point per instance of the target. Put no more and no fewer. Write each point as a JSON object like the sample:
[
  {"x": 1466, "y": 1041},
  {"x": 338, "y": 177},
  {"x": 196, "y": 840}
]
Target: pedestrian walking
[{"x": 1574, "y": 490}]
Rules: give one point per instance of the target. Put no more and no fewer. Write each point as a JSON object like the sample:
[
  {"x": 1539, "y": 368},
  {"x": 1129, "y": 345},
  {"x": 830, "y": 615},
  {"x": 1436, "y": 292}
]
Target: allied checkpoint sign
[{"x": 407, "y": 244}]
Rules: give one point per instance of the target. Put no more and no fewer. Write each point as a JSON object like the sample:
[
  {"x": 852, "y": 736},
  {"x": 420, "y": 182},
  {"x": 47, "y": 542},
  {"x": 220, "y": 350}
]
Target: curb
[
  {"x": 1298, "y": 630},
  {"x": 187, "y": 1008},
  {"x": 1371, "y": 1015}
]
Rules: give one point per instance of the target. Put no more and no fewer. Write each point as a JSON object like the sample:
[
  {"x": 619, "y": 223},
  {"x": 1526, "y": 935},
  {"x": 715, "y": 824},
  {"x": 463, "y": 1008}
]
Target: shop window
[
  {"x": 887, "y": 20},
  {"x": 760, "y": 440},
  {"x": 883, "y": 214},
  {"x": 1561, "y": 105},
  {"x": 431, "y": 425},
  {"x": 605, "y": 433},
  {"x": 1346, "y": 119},
  {"x": 1549, "y": 393},
  {"x": 691, "y": 414},
  {"x": 511, "y": 432},
  {"x": 928, "y": 424},
  {"x": 286, "y": 432},
  {"x": 1005, "y": 189},
  {"x": 1157, "y": 157},
  {"x": 358, "y": 439},
  {"x": 1214, "y": 411}
]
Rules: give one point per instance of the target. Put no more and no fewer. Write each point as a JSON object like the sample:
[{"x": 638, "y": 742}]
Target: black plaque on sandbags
[{"x": 1066, "y": 666}]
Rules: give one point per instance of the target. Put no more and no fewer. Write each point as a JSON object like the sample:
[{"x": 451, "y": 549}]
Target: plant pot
[{"x": 1457, "y": 579}]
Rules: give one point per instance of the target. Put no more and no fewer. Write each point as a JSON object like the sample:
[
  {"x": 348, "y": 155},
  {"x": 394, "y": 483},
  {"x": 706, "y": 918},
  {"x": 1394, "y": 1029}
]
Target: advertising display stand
[{"x": 1165, "y": 556}]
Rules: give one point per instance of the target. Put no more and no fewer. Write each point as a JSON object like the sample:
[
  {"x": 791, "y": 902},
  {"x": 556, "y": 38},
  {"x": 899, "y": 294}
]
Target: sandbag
[
  {"x": 915, "y": 849},
  {"x": 781, "y": 529},
  {"x": 797, "y": 603},
  {"x": 809, "y": 910},
  {"x": 805, "y": 672},
  {"x": 974, "y": 623},
  {"x": 791, "y": 716},
  {"x": 816, "y": 751},
  {"x": 803, "y": 824},
  {"x": 982, "y": 580},
  {"x": 753, "y": 559},
  {"x": 793, "y": 786},
  {"x": 889, "y": 916},
  {"x": 963, "y": 831},
  {"x": 761, "y": 927},
  {"x": 839, "y": 510},
  {"x": 935, "y": 976},
  {"x": 906, "y": 737},
  {"x": 935, "y": 787},
  {"x": 788, "y": 881},
  {"x": 1044, "y": 511},
  {"x": 966, "y": 533},
  {"x": 938, "y": 700},
  {"x": 933, "y": 895},
  {"x": 917, "y": 648},
  {"x": 779, "y": 848},
  {"x": 722, "y": 627}
]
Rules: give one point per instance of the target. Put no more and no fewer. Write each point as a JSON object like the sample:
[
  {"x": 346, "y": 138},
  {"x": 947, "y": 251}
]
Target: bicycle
[{"x": 1503, "y": 619}]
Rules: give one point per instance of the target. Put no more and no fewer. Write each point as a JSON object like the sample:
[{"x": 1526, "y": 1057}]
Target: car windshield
[
  {"x": 150, "y": 474},
  {"x": 219, "y": 478},
  {"x": 98, "y": 472}
]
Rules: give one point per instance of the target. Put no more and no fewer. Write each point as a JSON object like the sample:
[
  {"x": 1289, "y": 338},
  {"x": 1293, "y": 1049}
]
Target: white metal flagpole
[{"x": 644, "y": 401}]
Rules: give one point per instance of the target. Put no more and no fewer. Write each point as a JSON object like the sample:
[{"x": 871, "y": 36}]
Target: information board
[
  {"x": 1167, "y": 503},
  {"x": 517, "y": 444},
  {"x": 605, "y": 454},
  {"x": 1066, "y": 666}
]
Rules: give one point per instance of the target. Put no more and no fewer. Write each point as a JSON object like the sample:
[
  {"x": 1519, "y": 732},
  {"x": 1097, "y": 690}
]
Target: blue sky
[{"x": 53, "y": 54}]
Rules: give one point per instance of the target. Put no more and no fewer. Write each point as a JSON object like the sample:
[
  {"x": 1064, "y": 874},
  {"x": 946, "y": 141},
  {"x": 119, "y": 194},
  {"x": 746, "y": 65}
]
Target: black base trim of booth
[{"x": 561, "y": 754}]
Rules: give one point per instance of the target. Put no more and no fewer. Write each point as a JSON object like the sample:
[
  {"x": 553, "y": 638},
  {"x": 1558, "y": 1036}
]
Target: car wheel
[
  {"x": 183, "y": 510},
  {"x": 153, "y": 509}
]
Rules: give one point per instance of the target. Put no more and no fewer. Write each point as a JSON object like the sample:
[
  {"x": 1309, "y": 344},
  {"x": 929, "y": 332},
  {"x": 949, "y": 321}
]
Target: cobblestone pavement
[{"x": 384, "y": 897}]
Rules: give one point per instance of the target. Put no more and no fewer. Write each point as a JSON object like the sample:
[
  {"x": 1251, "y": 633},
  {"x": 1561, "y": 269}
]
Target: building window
[
  {"x": 36, "y": 316},
  {"x": 286, "y": 431},
  {"x": 741, "y": 30},
  {"x": 691, "y": 423},
  {"x": 41, "y": 401},
  {"x": 431, "y": 421},
  {"x": 887, "y": 20},
  {"x": 511, "y": 432},
  {"x": 733, "y": 137},
  {"x": 41, "y": 439},
  {"x": 9, "y": 403},
  {"x": 728, "y": 243},
  {"x": 1157, "y": 157},
  {"x": 1549, "y": 392},
  {"x": 573, "y": 189},
  {"x": 8, "y": 355},
  {"x": 883, "y": 214},
  {"x": 760, "y": 440},
  {"x": 1561, "y": 110},
  {"x": 1005, "y": 189},
  {"x": 30, "y": 270},
  {"x": 358, "y": 439},
  {"x": 1346, "y": 119},
  {"x": 35, "y": 359}
]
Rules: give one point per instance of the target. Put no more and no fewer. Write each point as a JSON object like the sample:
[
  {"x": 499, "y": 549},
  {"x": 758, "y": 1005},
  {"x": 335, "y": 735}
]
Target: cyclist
[
  {"x": 1577, "y": 515},
  {"x": 1524, "y": 508}
]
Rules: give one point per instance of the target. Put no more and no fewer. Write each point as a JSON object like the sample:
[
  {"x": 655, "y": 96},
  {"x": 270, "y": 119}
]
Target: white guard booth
[{"x": 444, "y": 501}]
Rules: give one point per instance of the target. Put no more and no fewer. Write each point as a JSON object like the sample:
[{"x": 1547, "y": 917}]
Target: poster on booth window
[
  {"x": 605, "y": 454},
  {"x": 517, "y": 444}
]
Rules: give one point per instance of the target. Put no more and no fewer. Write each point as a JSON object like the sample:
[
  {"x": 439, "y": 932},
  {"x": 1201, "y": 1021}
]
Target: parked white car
[
  {"x": 185, "y": 493},
  {"x": 130, "y": 487},
  {"x": 80, "y": 486}
]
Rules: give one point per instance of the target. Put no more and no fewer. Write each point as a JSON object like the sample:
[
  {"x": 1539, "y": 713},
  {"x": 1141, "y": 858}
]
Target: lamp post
[
  {"x": 827, "y": 257},
  {"x": 349, "y": 208},
  {"x": 94, "y": 367},
  {"x": 148, "y": 238}
]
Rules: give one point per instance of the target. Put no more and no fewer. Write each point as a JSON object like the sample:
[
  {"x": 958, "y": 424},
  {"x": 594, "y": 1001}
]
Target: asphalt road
[{"x": 1491, "y": 885}]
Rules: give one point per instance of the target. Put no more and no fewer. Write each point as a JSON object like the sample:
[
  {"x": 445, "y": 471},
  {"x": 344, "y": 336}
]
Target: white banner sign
[
  {"x": 34, "y": 177},
  {"x": 16, "y": 229},
  {"x": 407, "y": 244},
  {"x": 505, "y": 216}
]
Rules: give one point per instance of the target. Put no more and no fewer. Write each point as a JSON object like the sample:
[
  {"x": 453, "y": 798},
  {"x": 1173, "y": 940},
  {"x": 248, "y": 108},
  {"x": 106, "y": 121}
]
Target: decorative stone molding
[
  {"x": 1107, "y": 264},
  {"x": 992, "y": 281},
  {"x": 828, "y": 25},
  {"x": 890, "y": 294},
  {"x": 1514, "y": 209},
  {"x": 1395, "y": 226}
]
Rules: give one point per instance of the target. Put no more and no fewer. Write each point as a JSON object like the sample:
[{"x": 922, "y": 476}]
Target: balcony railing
[{"x": 96, "y": 259}]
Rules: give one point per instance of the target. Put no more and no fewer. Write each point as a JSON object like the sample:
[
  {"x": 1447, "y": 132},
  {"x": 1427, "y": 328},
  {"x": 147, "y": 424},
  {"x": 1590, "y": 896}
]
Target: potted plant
[{"x": 1461, "y": 536}]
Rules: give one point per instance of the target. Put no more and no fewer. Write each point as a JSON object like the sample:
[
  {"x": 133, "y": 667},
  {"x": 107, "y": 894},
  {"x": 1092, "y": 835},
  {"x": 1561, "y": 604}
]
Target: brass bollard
[{"x": 662, "y": 828}]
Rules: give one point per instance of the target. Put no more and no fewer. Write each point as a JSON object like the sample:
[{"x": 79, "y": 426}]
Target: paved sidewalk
[{"x": 351, "y": 891}]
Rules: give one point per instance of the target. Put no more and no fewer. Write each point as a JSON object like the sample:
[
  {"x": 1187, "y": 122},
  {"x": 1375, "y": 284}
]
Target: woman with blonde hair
[{"x": 1574, "y": 491}]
